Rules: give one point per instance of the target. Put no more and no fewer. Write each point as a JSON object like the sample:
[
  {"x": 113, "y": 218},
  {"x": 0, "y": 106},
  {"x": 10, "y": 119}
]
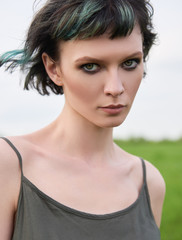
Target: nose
[{"x": 114, "y": 85}]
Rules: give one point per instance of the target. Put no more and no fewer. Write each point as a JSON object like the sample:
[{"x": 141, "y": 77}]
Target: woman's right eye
[{"x": 90, "y": 67}]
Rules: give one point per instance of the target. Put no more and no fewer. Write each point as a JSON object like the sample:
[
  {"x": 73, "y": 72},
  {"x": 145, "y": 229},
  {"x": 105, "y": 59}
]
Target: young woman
[{"x": 72, "y": 181}]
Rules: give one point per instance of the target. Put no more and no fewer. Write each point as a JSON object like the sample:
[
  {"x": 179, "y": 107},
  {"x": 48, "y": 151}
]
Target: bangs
[{"x": 93, "y": 18}]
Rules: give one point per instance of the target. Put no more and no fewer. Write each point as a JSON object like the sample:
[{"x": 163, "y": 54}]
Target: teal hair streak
[
  {"x": 87, "y": 16},
  {"x": 72, "y": 22},
  {"x": 88, "y": 20},
  {"x": 127, "y": 18},
  {"x": 16, "y": 57},
  {"x": 64, "y": 29}
]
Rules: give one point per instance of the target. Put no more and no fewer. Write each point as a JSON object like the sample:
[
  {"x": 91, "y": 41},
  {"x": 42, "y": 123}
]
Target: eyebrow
[{"x": 92, "y": 59}]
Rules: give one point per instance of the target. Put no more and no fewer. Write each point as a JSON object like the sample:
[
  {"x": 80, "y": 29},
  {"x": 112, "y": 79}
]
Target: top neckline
[
  {"x": 79, "y": 212},
  {"x": 72, "y": 210}
]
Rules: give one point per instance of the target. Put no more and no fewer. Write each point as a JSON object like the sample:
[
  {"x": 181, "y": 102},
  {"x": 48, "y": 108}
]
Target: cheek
[
  {"x": 78, "y": 89},
  {"x": 133, "y": 85}
]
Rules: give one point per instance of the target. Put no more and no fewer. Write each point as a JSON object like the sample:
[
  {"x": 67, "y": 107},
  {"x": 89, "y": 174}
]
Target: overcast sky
[{"x": 157, "y": 110}]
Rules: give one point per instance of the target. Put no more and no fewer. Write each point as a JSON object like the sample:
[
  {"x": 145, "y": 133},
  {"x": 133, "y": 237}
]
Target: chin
[{"x": 112, "y": 123}]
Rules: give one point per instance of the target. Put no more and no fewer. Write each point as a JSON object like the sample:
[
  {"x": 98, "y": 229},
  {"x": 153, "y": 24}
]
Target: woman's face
[{"x": 101, "y": 76}]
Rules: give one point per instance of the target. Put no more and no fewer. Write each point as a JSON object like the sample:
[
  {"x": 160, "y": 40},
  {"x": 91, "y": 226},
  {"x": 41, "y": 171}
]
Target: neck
[{"x": 81, "y": 139}]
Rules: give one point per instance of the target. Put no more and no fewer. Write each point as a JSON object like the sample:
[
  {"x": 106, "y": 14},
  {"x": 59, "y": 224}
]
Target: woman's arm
[
  {"x": 9, "y": 189},
  {"x": 156, "y": 187}
]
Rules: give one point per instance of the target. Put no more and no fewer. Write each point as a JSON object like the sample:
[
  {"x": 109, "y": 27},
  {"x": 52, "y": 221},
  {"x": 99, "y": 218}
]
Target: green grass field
[{"x": 167, "y": 157}]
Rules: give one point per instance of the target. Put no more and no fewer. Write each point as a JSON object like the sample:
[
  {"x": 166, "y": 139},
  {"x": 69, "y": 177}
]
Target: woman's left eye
[
  {"x": 90, "y": 67},
  {"x": 131, "y": 64}
]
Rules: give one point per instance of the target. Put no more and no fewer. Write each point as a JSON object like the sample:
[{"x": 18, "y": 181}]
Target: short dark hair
[{"x": 76, "y": 19}]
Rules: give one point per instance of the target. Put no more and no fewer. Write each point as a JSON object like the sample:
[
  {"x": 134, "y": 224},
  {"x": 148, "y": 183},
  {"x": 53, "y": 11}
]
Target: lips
[
  {"x": 112, "y": 106},
  {"x": 113, "y": 109}
]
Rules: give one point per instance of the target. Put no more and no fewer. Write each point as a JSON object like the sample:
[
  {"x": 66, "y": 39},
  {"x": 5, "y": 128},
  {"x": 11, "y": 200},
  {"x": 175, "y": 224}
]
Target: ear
[{"x": 52, "y": 69}]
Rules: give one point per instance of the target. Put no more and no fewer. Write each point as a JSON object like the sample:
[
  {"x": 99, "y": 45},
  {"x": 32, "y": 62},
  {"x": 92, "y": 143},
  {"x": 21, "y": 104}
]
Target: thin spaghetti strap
[
  {"x": 146, "y": 187},
  {"x": 16, "y": 151},
  {"x": 144, "y": 171}
]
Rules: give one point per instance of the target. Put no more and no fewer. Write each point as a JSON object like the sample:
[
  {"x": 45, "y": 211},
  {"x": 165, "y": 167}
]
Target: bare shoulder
[
  {"x": 155, "y": 180},
  {"x": 10, "y": 171},
  {"x": 8, "y": 157},
  {"x": 12, "y": 148},
  {"x": 9, "y": 166},
  {"x": 10, "y": 176},
  {"x": 157, "y": 189}
]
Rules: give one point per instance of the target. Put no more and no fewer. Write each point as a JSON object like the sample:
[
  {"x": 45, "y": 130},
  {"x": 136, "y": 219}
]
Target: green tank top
[{"x": 39, "y": 217}]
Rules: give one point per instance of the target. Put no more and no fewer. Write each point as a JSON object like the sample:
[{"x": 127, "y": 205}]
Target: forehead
[{"x": 103, "y": 45}]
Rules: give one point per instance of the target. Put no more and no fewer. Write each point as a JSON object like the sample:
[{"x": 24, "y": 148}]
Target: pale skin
[{"x": 76, "y": 155}]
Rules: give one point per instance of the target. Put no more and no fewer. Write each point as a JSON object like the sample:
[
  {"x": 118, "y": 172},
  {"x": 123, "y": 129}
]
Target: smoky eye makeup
[
  {"x": 90, "y": 68},
  {"x": 131, "y": 64}
]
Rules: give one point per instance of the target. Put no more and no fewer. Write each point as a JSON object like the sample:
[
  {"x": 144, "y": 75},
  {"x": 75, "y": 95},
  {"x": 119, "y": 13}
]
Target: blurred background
[{"x": 153, "y": 128}]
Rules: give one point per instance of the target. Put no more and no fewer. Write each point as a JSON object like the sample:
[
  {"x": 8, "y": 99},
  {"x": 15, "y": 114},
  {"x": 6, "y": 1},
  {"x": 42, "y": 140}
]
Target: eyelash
[
  {"x": 135, "y": 61},
  {"x": 83, "y": 67}
]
